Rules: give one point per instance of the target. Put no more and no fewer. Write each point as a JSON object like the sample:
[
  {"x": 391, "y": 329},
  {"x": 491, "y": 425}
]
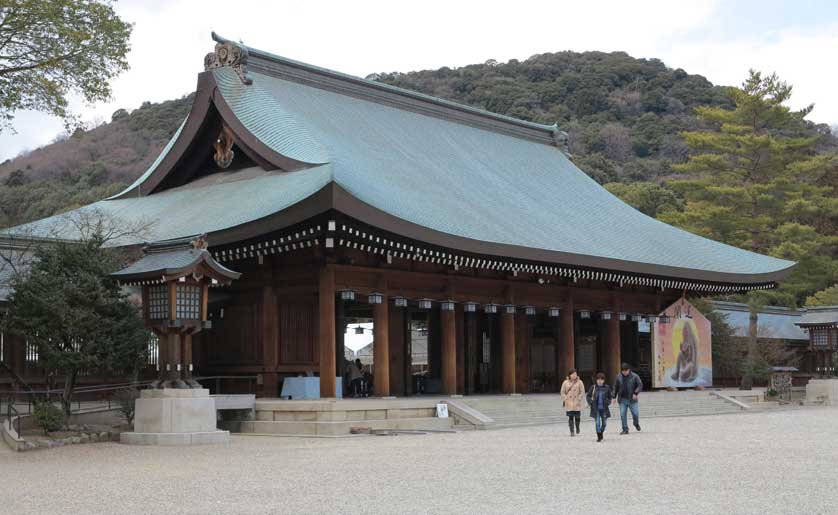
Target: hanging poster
[{"x": 682, "y": 354}]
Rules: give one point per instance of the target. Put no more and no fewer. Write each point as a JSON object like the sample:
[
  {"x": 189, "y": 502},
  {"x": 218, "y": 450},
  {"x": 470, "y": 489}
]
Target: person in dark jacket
[
  {"x": 627, "y": 387},
  {"x": 599, "y": 397}
]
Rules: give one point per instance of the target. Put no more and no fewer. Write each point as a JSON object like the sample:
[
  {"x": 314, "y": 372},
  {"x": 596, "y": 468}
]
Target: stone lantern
[{"x": 175, "y": 278}]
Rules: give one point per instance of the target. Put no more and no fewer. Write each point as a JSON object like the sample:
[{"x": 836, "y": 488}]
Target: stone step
[{"x": 340, "y": 428}]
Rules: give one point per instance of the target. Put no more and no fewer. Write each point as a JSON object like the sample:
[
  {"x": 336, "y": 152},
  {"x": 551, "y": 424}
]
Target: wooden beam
[
  {"x": 326, "y": 333},
  {"x": 449, "y": 352},
  {"x": 381, "y": 344}
]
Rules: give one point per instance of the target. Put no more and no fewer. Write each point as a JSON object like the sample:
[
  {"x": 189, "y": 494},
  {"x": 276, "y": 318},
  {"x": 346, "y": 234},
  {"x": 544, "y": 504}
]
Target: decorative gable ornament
[{"x": 232, "y": 55}]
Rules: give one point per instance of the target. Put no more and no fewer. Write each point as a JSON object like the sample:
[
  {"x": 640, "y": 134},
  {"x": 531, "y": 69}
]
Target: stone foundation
[
  {"x": 175, "y": 417},
  {"x": 822, "y": 390}
]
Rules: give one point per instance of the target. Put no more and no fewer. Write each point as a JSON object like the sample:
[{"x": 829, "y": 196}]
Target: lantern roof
[{"x": 171, "y": 260}]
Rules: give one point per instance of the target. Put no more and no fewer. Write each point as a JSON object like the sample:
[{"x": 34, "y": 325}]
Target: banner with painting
[{"x": 682, "y": 355}]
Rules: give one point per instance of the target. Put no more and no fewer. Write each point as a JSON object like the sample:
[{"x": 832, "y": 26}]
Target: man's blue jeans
[
  {"x": 600, "y": 420},
  {"x": 626, "y": 405}
]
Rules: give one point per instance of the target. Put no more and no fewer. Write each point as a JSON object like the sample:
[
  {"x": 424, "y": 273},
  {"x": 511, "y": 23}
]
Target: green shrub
[
  {"x": 48, "y": 416},
  {"x": 126, "y": 400}
]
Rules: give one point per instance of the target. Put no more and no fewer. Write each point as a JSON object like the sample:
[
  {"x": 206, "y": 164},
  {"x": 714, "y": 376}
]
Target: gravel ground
[{"x": 773, "y": 462}]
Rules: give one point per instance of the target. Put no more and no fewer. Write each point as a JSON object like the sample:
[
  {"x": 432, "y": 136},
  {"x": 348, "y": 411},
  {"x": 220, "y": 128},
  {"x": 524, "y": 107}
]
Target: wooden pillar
[
  {"x": 172, "y": 357},
  {"x": 398, "y": 351},
  {"x": 508, "y": 351},
  {"x": 612, "y": 348},
  {"x": 567, "y": 345},
  {"x": 461, "y": 349},
  {"x": 270, "y": 343},
  {"x": 187, "y": 356},
  {"x": 473, "y": 354},
  {"x": 326, "y": 333},
  {"x": 381, "y": 347},
  {"x": 522, "y": 348},
  {"x": 449, "y": 352}
]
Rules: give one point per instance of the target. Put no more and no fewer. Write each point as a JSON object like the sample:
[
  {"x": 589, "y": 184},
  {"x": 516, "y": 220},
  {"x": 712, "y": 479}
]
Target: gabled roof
[
  {"x": 420, "y": 167},
  {"x": 172, "y": 260},
  {"x": 819, "y": 316},
  {"x": 773, "y": 321}
]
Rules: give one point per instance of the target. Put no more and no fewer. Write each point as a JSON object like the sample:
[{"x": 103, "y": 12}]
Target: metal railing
[
  {"x": 12, "y": 417},
  {"x": 103, "y": 395}
]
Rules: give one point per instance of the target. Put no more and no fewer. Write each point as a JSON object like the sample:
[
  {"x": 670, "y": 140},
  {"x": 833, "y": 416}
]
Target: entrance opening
[
  {"x": 419, "y": 376},
  {"x": 357, "y": 366}
]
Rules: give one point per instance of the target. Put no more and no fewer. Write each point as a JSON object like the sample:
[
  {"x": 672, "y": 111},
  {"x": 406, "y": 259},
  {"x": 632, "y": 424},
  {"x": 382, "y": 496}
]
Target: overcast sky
[{"x": 717, "y": 39}]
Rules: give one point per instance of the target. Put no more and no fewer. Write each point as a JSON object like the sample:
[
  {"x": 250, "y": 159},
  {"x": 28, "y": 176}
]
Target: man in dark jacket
[{"x": 627, "y": 386}]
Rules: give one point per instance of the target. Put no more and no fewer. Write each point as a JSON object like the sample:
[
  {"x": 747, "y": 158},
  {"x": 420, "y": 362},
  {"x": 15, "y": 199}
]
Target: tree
[
  {"x": 753, "y": 182},
  {"x": 647, "y": 197},
  {"x": 78, "y": 317},
  {"x": 51, "y": 48},
  {"x": 825, "y": 297}
]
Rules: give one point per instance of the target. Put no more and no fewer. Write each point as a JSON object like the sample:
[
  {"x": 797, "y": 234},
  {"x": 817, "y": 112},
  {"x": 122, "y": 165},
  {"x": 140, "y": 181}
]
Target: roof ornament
[
  {"x": 223, "y": 146},
  {"x": 200, "y": 243},
  {"x": 232, "y": 55},
  {"x": 561, "y": 139}
]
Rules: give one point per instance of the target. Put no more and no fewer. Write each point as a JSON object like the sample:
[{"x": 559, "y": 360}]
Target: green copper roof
[
  {"x": 196, "y": 208},
  {"x": 484, "y": 185},
  {"x": 453, "y": 170}
]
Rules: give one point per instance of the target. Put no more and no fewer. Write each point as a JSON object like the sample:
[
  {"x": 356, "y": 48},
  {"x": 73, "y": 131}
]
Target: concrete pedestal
[
  {"x": 175, "y": 417},
  {"x": 825, "y": 390}
]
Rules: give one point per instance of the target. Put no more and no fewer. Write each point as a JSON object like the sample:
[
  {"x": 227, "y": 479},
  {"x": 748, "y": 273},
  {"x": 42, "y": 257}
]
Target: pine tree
[{"x": 755, "y": 180}]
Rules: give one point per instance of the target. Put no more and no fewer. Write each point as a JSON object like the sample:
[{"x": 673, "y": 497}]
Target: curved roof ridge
[
  {"x": 284, "y": 67},
  {"x": 261, "y": 115},
  {"x": 153, "y": 166}
]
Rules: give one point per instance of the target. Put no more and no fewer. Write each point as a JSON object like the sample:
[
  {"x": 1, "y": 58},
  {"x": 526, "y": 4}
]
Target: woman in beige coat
[{"x": 573, "y": 398}]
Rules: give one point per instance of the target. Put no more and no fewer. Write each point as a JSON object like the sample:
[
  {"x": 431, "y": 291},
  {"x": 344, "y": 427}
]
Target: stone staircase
[
  {"x": 337, "y": 417},
  {"x": 538, "y": 409}
]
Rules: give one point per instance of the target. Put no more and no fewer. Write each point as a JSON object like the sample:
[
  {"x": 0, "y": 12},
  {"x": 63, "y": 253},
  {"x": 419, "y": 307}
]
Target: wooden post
[
  {"x": 270, "y": 342},
  {"x": 326, "y": 334},
  {"x": 172, "y": 357},
  {"x": 381, "y": 347},
  {"x": 522, "y": 347},
  {"x": 567, "y": 346},
  {"x": 612, "y": 349},
  {"x": 449, "y": 352},
  {"x": 508, "y": 346},
  {"x": 473, "y": 355},
  {"x": 187, "y": 356},
  {"x": 461, "y": 349}
]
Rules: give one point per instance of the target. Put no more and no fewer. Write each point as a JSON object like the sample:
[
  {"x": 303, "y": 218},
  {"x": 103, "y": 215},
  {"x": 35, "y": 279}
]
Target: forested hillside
[
  {"x": 86, "y": 166},
  {"x": 626, "y": 118}
]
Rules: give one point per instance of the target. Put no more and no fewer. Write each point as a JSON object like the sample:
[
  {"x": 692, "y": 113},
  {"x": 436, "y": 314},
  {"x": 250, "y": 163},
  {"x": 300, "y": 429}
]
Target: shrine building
[{"x": 467, "y": 238}]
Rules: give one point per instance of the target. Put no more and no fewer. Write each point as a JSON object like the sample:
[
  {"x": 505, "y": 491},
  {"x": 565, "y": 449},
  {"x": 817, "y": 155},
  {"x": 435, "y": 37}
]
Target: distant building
[{"x": 779, "y": 324}]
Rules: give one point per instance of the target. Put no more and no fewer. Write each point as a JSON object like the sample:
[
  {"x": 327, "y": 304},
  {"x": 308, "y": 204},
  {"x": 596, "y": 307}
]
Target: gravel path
[{"x": 773, "y": 462}]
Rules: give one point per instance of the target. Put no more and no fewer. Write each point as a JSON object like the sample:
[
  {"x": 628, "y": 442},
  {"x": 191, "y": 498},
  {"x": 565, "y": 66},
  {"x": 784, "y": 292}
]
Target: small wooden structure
[
  {"x": 175, "y": 278},
  {"x": 822, "y": 325},
  {"x": 780, "y": 380}
]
